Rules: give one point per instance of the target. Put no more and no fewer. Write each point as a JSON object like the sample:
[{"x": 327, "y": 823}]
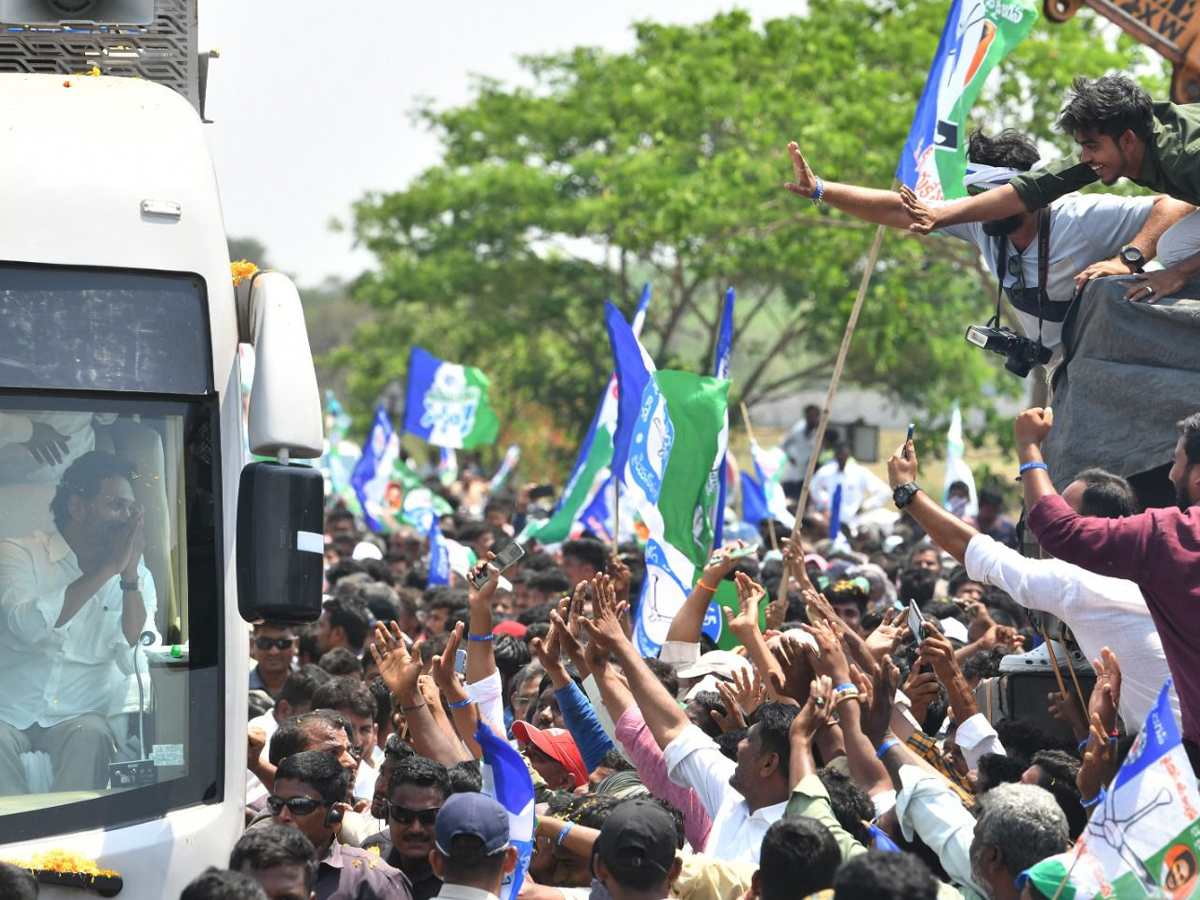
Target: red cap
[
  {"x": 510, "y": 627},
  {"x": 556, "y": 743}
]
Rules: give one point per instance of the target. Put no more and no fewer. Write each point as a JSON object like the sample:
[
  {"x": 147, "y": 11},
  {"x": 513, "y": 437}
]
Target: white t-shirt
[{"x": 1084, "y": 229}]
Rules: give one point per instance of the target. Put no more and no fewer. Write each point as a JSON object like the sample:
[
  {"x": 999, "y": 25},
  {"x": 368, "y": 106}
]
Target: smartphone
[
  {"x": 540, "y": 491},
  {"x": 460, "y": 661},
  {"x": 907, "y": 439},
  {"x": 503, "y": 560},
  {"x": 915, "y": 620},
  {"x": 740, "y": 553}
]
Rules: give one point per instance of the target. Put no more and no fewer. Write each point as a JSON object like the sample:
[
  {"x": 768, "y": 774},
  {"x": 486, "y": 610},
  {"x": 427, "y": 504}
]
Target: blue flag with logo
[
  {"x": 507, "y": 781},
  {"x": 439, "y": 556},
  {"x": 447, "y": 404},
  {"x": 374, "y": 470},
  {"x": 722, "y": 370}
]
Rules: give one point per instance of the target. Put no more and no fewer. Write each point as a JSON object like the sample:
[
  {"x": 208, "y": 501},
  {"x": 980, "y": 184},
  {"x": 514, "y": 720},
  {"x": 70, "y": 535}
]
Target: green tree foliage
[{"x": 666, "y": 164}]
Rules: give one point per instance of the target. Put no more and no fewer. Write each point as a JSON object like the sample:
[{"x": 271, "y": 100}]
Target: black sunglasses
[
  {"x": 297, "y": 806},
  {"x": 405, "y": 816},
  {"x": 266, "y": 643}
]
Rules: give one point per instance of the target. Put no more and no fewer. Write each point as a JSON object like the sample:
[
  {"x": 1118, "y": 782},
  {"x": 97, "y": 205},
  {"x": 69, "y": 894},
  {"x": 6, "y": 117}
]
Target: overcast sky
[{"x": 310, "y": 101}]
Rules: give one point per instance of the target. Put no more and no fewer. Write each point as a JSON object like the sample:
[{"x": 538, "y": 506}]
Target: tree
[{"x": 666, "y": 163}]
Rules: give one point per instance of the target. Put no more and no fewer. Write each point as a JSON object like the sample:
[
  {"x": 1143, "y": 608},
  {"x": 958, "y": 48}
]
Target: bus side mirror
[{"x": 280, "y": 543}]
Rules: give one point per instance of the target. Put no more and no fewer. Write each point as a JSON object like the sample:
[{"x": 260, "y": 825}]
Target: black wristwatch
[
  {"x": 1133, "y": 257},
  {"x": 903, "y": 494}
]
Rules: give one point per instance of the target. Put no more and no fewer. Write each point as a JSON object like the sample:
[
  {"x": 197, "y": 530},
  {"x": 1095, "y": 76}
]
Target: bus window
[{"x": 110, "y": 610}]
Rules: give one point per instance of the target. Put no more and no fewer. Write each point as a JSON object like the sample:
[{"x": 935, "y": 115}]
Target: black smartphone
[
  {"x": 907, "y": 439},
  {"x": 503, "y": 560},
  {"x": 540, "y": 491}
]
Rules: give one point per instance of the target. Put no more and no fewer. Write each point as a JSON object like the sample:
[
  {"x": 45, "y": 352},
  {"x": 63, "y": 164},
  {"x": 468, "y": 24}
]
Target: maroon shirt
[
  {"x": 347, "y": 873},
  {"x": 1159, "y": 551}
]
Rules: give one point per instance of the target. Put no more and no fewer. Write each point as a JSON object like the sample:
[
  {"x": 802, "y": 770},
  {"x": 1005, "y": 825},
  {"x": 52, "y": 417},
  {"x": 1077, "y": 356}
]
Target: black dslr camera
[{"x": 1022, "y": 353}]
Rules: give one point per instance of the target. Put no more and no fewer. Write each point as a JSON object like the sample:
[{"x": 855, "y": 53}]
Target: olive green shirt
[{"x": 1170, "y": 163}]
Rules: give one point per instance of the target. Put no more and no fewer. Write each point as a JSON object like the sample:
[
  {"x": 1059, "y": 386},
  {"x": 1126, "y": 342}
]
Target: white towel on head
[{"x": 988, "y": 177}]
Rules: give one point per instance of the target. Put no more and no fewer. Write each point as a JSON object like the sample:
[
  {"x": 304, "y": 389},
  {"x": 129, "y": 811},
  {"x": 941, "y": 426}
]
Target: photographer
[{"x": 1096, "y": 233}]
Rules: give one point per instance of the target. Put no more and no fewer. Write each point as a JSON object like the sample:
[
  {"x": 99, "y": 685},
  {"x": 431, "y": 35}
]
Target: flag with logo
[
  {"x": 447, "y": 404},
  {"x": 978, "y": 34},
  {"x": 1143, "y": 839},
  {"x": 667, "y": 438},
  {"x": 512, "y": 456},
  {"x": 958, "y": 470},
  {"x": 591, "y": 476},
  {"x": 372, "y": 475},
  {"x": 439, "y": 556},
  {"x": 769, "y": 466},
  {"x": 411, "y": 502},
  {"x": 506, "y": 780}
]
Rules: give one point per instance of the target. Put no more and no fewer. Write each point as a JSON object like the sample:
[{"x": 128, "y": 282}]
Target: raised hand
[
  {"x": 570, "y": 644},
  {"x": 936, "y": 651},
  {"x": 398, "y": 668},
  {"x": 887, "y": 636},
  {"x": 921, "y": 688},
  {"x": 620, "y": 575},
  {"x": 830, "y": 657},
  {"x": 815, "y": 711},
  {"x": 923, "y": 216},
  {"x": 443, "y": 665},
  {"x": 1032, "y": 426},
  {"x": 1106, "y": 695},
  {"x": 46, "y": 445},
  {"x": 775, "y": 612},
  {"x": 734, "y": 717},
  {"x": 1099, "y": 760},
  {"x": 749, "y": 594},
  {"x": 604, "y": 629},
  {"x": 483, "y": 595},
  {"x": 747, "y": 688},
  {"x": 901, "y": 468},
  {"x": 876, "y": 718},
  {"x": 1066, "y": 708},
  {"x": 805, "y": 183}
]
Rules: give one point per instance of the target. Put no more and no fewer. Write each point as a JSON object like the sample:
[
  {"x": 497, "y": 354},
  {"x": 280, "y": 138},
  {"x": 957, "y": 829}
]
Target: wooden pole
[
  {"x": 837, "y": 371},
  {"x": 770, "y": 519}
]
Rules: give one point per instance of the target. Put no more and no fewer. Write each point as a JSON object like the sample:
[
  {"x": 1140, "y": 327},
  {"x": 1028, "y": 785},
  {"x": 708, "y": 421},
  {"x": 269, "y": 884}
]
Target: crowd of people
[{"x": 834, "y": 753}]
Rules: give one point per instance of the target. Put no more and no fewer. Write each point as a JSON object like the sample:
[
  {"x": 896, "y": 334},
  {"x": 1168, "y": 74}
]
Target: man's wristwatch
[
  {"x": 135, "y": 585},
  {"x": 1133, "y": 257},
  {"x": 903, "y": 494}
]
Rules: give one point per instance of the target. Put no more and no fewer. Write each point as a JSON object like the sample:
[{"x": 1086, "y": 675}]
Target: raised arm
[
  {"x": 944, "y": 528},
  {"x": 689, "y": 621},
  {"x": 481, "y": 661},
  {"x": 745, "y": 627},
  {"x": 995, "y": 204},
  {"x": 868, "y": 204}
]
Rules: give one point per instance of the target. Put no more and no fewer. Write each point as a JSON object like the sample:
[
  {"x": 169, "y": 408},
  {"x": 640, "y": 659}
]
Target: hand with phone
[
  {"x": 496, "y": 563},
  {"x": 902, "y": 466}
]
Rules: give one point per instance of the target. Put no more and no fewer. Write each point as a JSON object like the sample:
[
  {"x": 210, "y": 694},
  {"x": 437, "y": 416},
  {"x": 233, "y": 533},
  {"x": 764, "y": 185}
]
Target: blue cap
[{"x": 471, "y": 815}]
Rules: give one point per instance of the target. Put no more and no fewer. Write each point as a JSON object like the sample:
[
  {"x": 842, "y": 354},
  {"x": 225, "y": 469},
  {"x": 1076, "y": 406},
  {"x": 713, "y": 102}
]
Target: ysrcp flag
[
  {"x": 669, "y": 431},
  {"x": 978, "y": 34},
  {"x": 1143, "y": 837},
  {"x": 507, "y": 781},
  {"x": 374, "y": 470},
  {"x": 447, "y": 404},
  {"x": 769, "y": 465},
  {"x": 958, "y": 470}
]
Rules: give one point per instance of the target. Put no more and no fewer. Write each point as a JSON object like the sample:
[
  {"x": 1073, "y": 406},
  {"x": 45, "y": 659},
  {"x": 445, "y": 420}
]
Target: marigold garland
[
  {"x": 241, "y": 270},
  {"x": 67, "y": 861}
]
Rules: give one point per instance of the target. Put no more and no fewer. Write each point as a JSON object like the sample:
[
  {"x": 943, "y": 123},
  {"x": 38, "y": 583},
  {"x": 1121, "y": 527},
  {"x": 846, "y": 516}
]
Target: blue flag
[
  {"x": 447, "y": 404},
  {"x": 722, "y": 370},
  {"x": 835, "y": 515},
  {"x": 754, "y": 501},
  {"x": 634, "y": 368},
  {"x": 374, "y": 470},
  {"x": 439, "y": 556},
  {"x": 507, "y": 781}
]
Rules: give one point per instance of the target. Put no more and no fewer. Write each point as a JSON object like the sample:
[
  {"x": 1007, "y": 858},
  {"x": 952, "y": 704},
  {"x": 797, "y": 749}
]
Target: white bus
[{"x": 119, "y": 332}]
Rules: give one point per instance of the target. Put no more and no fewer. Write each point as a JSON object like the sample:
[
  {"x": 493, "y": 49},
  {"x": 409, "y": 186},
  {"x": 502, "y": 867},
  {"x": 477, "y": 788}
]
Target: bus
[{"x": 120, "y": 327}]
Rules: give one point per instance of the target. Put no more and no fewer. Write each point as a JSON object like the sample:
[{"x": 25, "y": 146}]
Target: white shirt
[
  {"x": 462, "y": 892},
  {"x": 859, "y": 488},
  {"x": 694, "y": 760},
  {"x": 1100, "y": 611},
  {"x": 975, "y": 738},
  {"x": 928, "y": 806},
  {"x": 1084, "y": 229},
  {"x": 798, "y": 447},
  {"x": 49, "y": 674},
  {"x": 256, "y": 791}
]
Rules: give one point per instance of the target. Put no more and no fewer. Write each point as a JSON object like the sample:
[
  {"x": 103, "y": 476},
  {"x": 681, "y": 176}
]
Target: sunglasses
[
  {"x": 405, "y": 816},
  {"x": 266, "y": 643},
  {"x": 297, "y": 806}
]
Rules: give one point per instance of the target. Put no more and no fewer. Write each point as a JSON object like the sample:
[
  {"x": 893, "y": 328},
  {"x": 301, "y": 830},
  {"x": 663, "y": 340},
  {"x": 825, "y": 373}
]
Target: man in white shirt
[
  {"x": 859, "y": 487},
  {"x": 73, "y": 605},
  {"x": 1100, "y": 611},
  {"x": 798, "y": 446},
  {"x": 744, "y": 798}
]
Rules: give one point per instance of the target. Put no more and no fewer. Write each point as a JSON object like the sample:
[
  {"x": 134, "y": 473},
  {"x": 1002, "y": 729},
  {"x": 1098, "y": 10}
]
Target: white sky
[{"x": 310, "y": 101}]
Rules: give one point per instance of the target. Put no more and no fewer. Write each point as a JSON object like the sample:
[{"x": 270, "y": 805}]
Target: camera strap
[{"x": 1043, "y": 299}]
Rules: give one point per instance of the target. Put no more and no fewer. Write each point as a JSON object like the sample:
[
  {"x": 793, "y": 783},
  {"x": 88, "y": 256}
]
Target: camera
[{"x": 1022, "y": 353}]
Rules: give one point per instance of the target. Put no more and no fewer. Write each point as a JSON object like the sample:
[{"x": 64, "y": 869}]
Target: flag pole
[
  {"x": 837, "y": 369},
  {"x": 750, "y": 433},
  {"x": 616, "y": 513}
]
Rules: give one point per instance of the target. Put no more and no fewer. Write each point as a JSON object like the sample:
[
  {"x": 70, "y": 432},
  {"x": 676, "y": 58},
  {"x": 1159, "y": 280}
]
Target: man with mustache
[
  {"x": 73, "y": 605},
  {"x": 1086, "y": 233}
]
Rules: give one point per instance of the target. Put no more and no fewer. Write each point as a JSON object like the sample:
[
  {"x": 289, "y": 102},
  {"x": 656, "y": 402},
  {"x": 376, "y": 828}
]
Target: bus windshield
[{"x": 110, "y": 609}]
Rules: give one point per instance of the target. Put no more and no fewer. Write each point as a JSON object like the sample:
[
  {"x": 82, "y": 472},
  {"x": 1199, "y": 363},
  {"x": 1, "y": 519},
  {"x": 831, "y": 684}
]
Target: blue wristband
[
  {"x": 844, "y": 686},
  {"x": 818, "y": 193},
  {"x": 886, "y": 746},
  {"x": 1083, "y": 745},
  {"x": 562, "y": 834},
  {"x": 461, "y": 703},
  {"x": 480, "y": 637},
  {"x": 1025, "y": 467},
  {"x": 1095, "y": 801}
]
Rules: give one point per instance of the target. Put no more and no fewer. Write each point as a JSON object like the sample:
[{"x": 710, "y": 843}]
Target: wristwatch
[
  {"x": 1133, "y": 257},
  {"x": 135, "y": 585},
  {"x": 903, "y": 494}
]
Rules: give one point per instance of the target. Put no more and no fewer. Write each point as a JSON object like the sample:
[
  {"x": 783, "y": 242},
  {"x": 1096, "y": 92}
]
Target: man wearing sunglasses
[
  {"x": 309, "y": 795},
  {"x": 417, "y": 788},
  {"x": 1088, "y": 235},
  {"x": 273, "y": 649}
]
